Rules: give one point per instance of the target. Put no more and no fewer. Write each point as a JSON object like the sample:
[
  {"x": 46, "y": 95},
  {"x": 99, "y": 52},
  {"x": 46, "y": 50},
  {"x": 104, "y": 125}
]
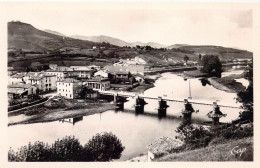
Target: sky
[{"x": 168, "y": 24}]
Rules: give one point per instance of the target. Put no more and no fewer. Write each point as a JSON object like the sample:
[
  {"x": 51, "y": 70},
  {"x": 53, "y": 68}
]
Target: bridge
[
  {"x": 121, "y": 96},
  {"x": 140, "y": 95}
]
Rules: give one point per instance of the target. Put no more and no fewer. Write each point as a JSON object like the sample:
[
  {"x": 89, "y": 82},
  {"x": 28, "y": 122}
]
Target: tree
[
  {"x": 211, "y": 65},
  {"x": 246, "y": 98},
  {"x": 103, "y": 147},
  {"x": 186, "y": 58},
  {"x": 193, "y": 137},
  {"x": 67, "y": 149}
]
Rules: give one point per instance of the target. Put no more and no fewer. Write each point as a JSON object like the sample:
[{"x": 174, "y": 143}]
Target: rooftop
[
  {"x": 163, "y": 144},
  {"x": 19, "y": 85},
  {"x": 97, "y": 79}
]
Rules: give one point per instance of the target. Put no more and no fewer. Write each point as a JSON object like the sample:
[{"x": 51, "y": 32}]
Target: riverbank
[
  {"x": 54, "y": 112},
  {"x": 227, "y": 151},
  {"x": 228, "y": 83}
]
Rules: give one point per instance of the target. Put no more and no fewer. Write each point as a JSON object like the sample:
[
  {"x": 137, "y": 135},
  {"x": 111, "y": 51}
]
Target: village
[{"x": 70, "y": 81}]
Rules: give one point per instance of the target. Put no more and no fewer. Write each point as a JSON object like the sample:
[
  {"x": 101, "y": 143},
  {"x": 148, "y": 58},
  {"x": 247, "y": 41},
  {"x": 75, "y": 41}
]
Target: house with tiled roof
[
  {"x": 162, "y": 146},
  {"x": 43, "y": 81}
]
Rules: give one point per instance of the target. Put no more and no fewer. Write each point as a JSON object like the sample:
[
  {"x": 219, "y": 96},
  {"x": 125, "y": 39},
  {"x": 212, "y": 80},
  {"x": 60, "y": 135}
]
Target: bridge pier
[
  {"x": 162, "y": 107},
  {"x": 187, "y": 112},
  {"x": 215, "y": 114},
  {"x": 119, "y": 101},
  {"x": 139, "y": 106}
]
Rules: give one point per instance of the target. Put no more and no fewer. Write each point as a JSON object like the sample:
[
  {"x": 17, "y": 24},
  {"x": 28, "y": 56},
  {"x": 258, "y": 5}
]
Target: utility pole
[{"x": 189, "y": 90}]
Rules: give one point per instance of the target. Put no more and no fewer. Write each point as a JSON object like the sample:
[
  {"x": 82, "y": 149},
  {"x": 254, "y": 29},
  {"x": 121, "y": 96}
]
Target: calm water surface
[{"x": 135, "y": 131}]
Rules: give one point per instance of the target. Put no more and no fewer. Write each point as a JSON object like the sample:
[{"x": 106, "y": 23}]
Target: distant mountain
[
  {"x": 100, "y": 39},
  {"x": 116, "y": 41},
  {"x": 176, "y": 46},
  {"x": 26, "y": 37},
  {"x": 54, "y": 32}
]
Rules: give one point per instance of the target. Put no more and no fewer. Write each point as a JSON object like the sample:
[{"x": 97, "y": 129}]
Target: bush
[
  {"x": 233, "y": 131},
  {"x": 193, "y": 137},
  {"x": 104, "y": 147}
]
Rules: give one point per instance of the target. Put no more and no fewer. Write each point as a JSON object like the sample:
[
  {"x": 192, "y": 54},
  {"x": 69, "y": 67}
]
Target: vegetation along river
[{"x": 134, "y": 131}]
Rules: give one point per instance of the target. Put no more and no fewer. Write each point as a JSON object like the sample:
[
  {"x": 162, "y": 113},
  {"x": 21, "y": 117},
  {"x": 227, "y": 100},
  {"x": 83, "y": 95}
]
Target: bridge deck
[{"x": 199, "y": 102}]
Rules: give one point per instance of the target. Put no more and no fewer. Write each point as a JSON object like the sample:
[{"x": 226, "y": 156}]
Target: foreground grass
[{"x": 219, "y": 152}]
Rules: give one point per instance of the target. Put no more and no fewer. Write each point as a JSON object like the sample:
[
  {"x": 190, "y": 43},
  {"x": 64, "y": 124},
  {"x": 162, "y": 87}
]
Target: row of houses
[{"x": 68, "y": 81}]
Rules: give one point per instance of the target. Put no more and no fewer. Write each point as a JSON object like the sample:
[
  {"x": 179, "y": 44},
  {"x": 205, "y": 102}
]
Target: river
[{"x": 134, "y": 131}]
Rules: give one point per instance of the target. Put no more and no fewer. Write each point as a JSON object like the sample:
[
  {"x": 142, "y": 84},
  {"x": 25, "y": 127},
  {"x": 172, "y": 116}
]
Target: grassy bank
[
  {"x": 53, "y": 111},
  {"x": 228, "y": 83},
  {"x": 142, "y": 87},
  {"x": 219, "y": 152}
]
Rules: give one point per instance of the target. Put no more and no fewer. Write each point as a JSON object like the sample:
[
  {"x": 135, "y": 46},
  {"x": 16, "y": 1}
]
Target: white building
[{"x": 69, "y": 88}]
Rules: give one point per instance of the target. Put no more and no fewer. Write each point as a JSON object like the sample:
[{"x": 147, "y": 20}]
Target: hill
[
  {"x": 224, "y": 53},
  {"x": 26, "y": 37},
  {"x": 116, "y": 41},
  {"x": 54, "y": 32}
]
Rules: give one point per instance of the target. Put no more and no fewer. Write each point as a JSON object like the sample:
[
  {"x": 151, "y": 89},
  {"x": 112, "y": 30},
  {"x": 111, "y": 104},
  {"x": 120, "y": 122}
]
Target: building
[
  {"x": 60, "y": 75},
  {"x": 20, "y": 90},
  {"x": 121, "y": 77},
  {"x": 162, "y": 146},
  {"x": 98, "y": 83},
  {"x": 17, "y": 78},
  {"x": 69, "y": 88},
  {"x": 94, "y": 67},
  {"x": 134, "y": 69},
  {"x": 43, "y": 81},
  {"x": 80, "y": 73},
  {"x": 101, "y": 73}
]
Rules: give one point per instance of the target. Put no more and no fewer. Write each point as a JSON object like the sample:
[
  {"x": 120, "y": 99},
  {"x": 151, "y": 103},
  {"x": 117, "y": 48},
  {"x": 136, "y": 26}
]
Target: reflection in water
[
  {"x": 204, "y": 82},
  {"x": 135, "y": 131},
  {"x": 72, "y": 120}
]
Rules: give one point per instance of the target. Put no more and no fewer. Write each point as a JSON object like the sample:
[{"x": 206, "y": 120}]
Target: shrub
[
  {"x": 233, "y": 131},
  {"x": 193, "y": 137},
  {"x": 104, "y": 147}
]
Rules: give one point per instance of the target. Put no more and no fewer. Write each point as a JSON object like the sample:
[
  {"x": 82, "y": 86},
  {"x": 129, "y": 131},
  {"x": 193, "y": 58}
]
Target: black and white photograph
[{"x": 129, "y": 81}]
